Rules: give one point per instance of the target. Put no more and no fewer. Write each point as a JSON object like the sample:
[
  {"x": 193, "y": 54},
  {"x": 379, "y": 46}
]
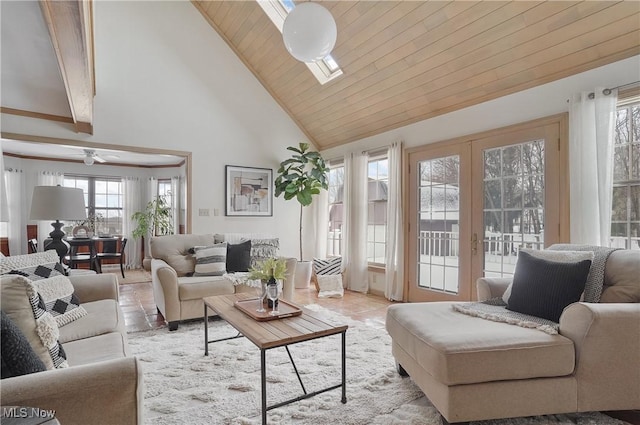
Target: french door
[{"x": 473, "y": 204}]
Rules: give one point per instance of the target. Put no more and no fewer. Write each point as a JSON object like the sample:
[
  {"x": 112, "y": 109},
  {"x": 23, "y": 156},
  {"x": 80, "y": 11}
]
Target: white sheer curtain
[
  {"x": 175, "y": 203},
  {"x": 321, "y": 218},
  {"x": 17, "y": 206},
  {"x": 394, "y": 255},
  {"x": 132, "y": 194},
  {"x": 355, "y": 221},
  {"x": 591, "y": 124},
  {"x": 47, "y": 178}
]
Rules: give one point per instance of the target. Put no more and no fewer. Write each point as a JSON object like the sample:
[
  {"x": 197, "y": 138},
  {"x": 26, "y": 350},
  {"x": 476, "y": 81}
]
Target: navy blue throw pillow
[
  {"x": 239, "y": 257},
  {"x": 543, "y": 288}
]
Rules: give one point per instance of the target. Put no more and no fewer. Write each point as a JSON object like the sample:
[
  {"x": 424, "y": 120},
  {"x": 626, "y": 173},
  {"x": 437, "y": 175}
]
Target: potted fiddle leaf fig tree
[
  {"x": 155, "y": 220},
  {"x": 301, "y": 177}
]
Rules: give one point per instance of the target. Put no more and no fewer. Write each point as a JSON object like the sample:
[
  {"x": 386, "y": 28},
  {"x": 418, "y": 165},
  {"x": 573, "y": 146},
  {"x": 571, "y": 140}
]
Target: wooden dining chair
[
  {"x": 33, "y": 246},
  {"x": 109, "y": 251}
]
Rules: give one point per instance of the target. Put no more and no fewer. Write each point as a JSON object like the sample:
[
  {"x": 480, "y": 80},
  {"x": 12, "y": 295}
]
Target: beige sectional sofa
[
  {"x": 178, "y": 295},
  {"x": 103, "y": 383},
  {"x": 476, "y": 369}
]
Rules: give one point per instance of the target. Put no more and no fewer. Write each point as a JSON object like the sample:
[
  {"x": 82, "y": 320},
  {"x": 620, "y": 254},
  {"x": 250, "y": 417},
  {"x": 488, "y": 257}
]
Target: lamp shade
[
  {"x": 309, "y": 32},
  {"x": 57, "y": 203}
]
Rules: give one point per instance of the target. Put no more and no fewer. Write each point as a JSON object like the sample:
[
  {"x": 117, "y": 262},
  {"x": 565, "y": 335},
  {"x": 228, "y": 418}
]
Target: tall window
[
  {"x": 336, "y": 191},
  {"x": 625, "y": 216},
  {"x": 103, "y": 198},
  {"x": 378, "y": 179},
  {"x": 164, "y": 191}
]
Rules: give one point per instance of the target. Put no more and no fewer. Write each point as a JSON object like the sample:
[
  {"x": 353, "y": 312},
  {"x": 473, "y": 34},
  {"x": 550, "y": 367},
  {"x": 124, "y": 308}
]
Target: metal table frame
[{"x": 263, "y": 368}]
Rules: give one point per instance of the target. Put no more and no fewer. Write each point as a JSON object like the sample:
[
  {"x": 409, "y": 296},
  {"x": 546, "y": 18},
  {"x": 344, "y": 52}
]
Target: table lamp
[{"x": 57, "y": 203}]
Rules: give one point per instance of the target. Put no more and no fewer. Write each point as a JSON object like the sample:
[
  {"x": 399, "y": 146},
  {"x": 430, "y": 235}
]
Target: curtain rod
[
  {"x": 608, "y": 91},
  {"x": 374, "y": 151}
]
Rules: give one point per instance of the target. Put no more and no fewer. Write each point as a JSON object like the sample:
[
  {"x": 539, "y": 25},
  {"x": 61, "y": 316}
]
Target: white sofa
[{"x": 178, "y": 295}]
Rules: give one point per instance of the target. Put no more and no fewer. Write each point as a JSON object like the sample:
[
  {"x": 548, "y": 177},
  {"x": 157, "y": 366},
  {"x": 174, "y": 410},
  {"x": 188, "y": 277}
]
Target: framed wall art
[{"x": 249, "y": 191}]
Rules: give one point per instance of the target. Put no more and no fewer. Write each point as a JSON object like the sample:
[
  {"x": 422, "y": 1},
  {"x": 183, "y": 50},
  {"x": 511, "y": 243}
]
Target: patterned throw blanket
[{"x": 495, "y": 308}]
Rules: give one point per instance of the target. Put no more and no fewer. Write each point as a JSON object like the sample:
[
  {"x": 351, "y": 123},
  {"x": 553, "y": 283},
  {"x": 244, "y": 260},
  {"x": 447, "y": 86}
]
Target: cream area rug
[{"x": 182, "y": 386}]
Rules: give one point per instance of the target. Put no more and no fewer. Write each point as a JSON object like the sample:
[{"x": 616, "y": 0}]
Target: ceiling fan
[{"x": 90, "y": 156}]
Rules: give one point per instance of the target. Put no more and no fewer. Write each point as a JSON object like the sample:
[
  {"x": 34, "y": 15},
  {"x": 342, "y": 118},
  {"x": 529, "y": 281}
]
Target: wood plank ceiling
[{"x": 405, "y": 61}]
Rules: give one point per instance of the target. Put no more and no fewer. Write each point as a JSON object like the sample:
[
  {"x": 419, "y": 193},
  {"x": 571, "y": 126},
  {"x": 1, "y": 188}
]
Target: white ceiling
[{"x": 76, "y": 153}]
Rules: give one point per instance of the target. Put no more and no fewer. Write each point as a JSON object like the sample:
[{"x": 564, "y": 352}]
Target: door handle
[{"x": 474, "y": 244}]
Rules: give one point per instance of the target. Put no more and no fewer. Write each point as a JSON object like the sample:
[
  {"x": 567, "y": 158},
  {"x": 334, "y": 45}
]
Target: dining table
[{"x": 91, "y": 243}]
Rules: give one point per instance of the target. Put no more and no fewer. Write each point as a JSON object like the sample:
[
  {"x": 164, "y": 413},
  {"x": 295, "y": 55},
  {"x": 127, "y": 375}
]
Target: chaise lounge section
[{"x": 476, "y": 369}]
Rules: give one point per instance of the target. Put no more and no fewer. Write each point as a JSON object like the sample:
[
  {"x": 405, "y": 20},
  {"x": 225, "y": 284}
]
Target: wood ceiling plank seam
[
  {"x": 222, "y": 13},
  {"x": 245, "y": 42},
  {"x": 490, "y": 61},
  {"x": 531, "y": 17},
  {"x": 271, "y": 42},
  {"x": 592, "y": 37},
  {"x": 210, "y": 7},
  {"x": 244, "y": 28},
  {"x": 344, "y": 33},
  {"x": 430, "y": 77},
  {"x": 371, "y": 82},
  {"x": 236, "y": 11},
  {"x": 514, "y": 42},
  {"x": 452, "y": 35},
  {"x": 256, "y": 74},
  {"x": 580, "y": 11},
  {"x": 486, "y": 94},
  {"x": 241, "y": 15},
  {"x": 267, "y": 36},
  {"x": 353, "y": 70}
]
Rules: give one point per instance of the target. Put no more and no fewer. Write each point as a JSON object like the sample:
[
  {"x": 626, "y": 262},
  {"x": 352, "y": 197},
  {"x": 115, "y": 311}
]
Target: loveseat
[
  {"x": 472, "y": 369},
  {"x": 103, "y": 382},
  {"x": 177, "y": 293}
]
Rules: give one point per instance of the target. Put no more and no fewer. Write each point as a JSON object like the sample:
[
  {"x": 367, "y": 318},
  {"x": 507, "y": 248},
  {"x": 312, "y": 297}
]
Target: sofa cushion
[
  {"x": 544, "y": 288},
  {"x": 22, "y": 303},
  {"x": 211, "y": 260},
  {"x": 18, "y": 358},
  {"x": 190, "y": 288},
  {"x": 61, "y": 302},
  {"x": 103, "y": 316},
  {"x": 97, "y": 349},
  {"x": 173, "y": 249},
  {"x": 622, "y": 277},
  {"x": 462, "y": 349},
  {"x": 239, "y": 257}
]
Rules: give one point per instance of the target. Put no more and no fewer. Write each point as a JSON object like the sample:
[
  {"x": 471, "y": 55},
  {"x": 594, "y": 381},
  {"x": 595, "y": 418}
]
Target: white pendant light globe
[{"x": 309, "y": 32}]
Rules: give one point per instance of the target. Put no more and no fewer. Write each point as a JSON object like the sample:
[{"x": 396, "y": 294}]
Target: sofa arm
[
  {"x": 491, "y": 287},
  {"x": 164, "y": 280},
  {"x": 94, "y": 287},
  {"x": 607, "y": 347},
  {"x": 109, "y": 392}
]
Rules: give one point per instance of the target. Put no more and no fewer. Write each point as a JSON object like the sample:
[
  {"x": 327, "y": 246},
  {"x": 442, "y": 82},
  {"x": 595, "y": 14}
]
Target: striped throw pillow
[
  {"x": 211, "y": 260},
  {"x": 331, "y": 265}
]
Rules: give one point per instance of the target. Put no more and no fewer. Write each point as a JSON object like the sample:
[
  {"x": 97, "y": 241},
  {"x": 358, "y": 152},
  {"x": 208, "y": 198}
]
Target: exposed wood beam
[
  {"x": 39, "y": 115},
  {"x": 70, "y": 25}
]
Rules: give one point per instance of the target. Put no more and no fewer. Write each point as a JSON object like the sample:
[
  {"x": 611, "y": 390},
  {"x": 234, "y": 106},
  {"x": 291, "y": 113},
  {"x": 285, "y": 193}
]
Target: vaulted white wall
[{"x": 165, "y": 79}]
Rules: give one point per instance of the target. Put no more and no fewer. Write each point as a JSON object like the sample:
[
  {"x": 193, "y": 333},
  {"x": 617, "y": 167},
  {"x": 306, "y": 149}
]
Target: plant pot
[{"x": 303, "y": 274}]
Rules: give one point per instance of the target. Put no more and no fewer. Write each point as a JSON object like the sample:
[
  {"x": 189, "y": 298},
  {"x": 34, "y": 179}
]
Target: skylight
[{"x": 277, "y": 10}]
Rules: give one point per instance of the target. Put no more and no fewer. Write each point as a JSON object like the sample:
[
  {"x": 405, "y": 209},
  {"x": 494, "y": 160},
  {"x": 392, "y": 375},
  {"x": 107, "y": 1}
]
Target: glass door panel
[
  {"x": 439, "y": 217},
  {"x": 513, "y": 209}
]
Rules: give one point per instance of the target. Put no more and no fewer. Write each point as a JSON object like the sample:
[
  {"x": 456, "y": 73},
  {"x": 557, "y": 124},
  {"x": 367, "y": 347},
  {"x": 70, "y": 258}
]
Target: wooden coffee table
[{"x": 273, "y": 334}]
